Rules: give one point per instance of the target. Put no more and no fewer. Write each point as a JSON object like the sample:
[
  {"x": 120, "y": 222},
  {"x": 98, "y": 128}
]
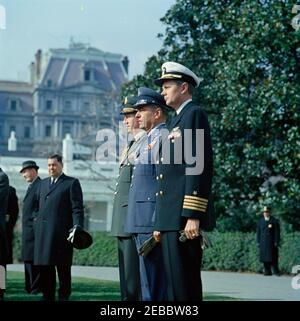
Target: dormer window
[
  {"x": 13, "y": 105},
  {"x": 87, "y": 72},
  {"x": 87, "y": 75},
  {"x": 49, "y": 83}
]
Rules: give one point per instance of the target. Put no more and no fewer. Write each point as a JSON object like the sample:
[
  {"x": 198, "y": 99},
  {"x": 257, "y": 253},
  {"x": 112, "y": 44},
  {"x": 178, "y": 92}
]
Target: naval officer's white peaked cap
[{"x": 174, "y": 71}]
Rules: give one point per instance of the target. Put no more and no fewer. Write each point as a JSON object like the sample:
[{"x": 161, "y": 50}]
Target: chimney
[
  {"x": 125, "y": 63},
  {"x": 38, "y": 63},
  {"x": 32, "y": 72}
]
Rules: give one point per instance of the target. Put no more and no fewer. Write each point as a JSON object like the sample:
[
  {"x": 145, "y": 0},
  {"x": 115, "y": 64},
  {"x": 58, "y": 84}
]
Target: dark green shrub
[{"x": 231, "y": 251}]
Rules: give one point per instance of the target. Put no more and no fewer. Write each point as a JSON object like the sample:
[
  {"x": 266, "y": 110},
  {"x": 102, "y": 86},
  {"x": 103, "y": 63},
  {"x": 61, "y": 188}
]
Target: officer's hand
[
  {"x": 156, "y": 235},
  {"x": 192, "y": 228}
]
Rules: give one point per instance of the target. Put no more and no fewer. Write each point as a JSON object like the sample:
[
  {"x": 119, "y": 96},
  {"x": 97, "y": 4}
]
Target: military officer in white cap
[{"x": 183, "y": 203}]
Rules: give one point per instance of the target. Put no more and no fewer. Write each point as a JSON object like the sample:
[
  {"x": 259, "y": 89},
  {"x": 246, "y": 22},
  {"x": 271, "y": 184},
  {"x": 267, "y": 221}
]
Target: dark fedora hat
[
  {"x": 79, "y": 238},
  {"x": 29, "y": 164}
]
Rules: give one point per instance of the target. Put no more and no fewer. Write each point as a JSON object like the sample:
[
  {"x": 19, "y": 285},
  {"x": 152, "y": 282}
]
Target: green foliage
[
  {"x": 231, "y": 251},
  {"x": 103, "y": 252},
  {"x": 236, "y": 251},
  {"x": 248, "y": 56}
]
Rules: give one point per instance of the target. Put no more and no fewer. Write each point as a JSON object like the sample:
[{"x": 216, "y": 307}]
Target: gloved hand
[{"x": 72, "y": 232}]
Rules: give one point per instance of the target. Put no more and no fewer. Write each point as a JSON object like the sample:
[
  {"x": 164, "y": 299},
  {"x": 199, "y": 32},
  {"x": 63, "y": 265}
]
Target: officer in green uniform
[
  {"x": 183, "y": 200},
  {"x": 128, "y": 257}
]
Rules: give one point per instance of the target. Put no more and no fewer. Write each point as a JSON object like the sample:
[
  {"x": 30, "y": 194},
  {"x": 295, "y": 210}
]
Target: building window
[
  {"x": 12, "y": 129},
  {"x": 48, "y": 131},
  {"x": 68, "y": 105},
  {"x": 26, "y": 132},
  {"x": 49, "y": 83},
  {"x": 1, "y": 132},
  {"x": 13, "y": 105},
  {"x": 67, "y": 128},
  {"x": 48, "y": 105},
  {"x": 86, "y": 107},
  {"x": 87, "y": 75}
]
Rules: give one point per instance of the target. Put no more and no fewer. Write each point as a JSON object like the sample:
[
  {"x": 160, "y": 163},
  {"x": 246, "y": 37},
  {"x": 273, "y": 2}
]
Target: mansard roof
[
  {"x": 15, "y": 86},
  {"x": 65, "y": 68},
  {"x": 19, "y": 91}
]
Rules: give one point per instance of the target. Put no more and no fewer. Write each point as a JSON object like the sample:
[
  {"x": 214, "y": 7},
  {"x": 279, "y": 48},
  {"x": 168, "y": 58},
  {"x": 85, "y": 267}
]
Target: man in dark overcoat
[
  {"x": 60, "y": 208},
  {"x": 29, "y": 171},
  {"x": 4, "y": 189},
  {"x": 183, "y": 202},
  {"x": 11, "y": 220},
  {"x": 127, "y": 253},
  {"x": 268, "y": 238}
]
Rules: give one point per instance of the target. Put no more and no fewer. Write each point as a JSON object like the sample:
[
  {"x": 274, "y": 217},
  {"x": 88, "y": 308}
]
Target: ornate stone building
[{"x": 74, "y": 90}]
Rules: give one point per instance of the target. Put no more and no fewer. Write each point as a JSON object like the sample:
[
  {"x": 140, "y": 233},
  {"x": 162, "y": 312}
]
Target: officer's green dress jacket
[{"x": 120, "y": 204}]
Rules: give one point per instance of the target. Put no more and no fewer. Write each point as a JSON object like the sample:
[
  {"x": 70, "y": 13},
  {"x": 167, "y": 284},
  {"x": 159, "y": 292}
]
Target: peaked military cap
[
  {"x": 175, "y": 71},
  {"x": 127, "y": 106},
  {"x": 29, "y": 164},
  {"x": 148, "y": 96}
]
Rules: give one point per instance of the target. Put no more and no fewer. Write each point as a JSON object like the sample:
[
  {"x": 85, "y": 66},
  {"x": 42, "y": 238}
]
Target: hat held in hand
[{"x": 79, "y": 238}]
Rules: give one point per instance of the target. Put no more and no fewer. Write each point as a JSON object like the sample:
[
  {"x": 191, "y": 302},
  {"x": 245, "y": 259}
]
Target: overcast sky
[{"x": 128, "y": 27}]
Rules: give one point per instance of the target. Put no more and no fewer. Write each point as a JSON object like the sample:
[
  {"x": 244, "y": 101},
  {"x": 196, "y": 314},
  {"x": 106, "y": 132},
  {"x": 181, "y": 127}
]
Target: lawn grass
[{"x": 83, "y": 289}]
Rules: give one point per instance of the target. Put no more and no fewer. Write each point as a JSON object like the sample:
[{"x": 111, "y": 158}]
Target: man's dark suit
[
  {"x": 11, "y": 220},
  {"x": 4, "y": 188},
  {"x": 128, "y": 257},
  {"x": 60, "y": 208},
  {"x": 180, "y": 197},
  {"x": 29, "y": 215}
]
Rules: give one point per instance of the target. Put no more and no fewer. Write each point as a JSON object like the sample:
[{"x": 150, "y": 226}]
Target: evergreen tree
[{"x": 248, "y": 56}]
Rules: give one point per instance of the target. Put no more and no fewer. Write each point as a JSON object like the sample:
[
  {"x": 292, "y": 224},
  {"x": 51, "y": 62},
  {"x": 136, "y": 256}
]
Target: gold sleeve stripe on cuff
[
  {"x": 193, "y": 208},
  {"x": 195, "y": 204},
  {"x": 189, "y": 197}
]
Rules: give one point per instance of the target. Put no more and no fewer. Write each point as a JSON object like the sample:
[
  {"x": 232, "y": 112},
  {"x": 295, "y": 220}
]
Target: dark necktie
[
  {"x": 29, "y": 188},
  {"x": 52, "y": 183}
]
